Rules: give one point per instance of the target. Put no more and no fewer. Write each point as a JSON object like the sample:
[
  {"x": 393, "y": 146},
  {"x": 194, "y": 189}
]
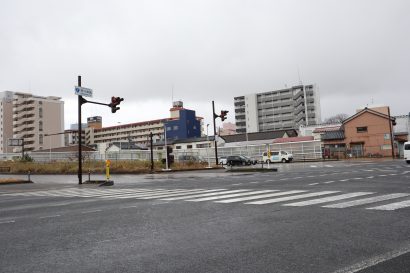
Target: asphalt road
[{"x": 333, "y": 217}]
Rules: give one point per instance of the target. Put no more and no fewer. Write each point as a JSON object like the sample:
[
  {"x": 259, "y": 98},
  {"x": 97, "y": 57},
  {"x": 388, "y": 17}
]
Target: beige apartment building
[{"x": 32, "y": 118}]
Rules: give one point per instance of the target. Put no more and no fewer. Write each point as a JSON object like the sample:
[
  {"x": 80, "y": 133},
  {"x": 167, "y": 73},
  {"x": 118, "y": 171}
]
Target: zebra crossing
[{"x": 289, "y": 198}]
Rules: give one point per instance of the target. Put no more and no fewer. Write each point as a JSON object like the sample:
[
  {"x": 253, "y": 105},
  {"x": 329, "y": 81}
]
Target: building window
[
  {"x": 178, "y": 147},
  {"x": 40, "y": 112},
  {"x": 40, "y": 139},
  {"x": 386, "y": 136},
  {"x": 169, "y": 128},
  {"x": 40, "y": 125},
  {"x": 361, "y": 129},
  {"x": 175, "y": 127},
  {"x": 189, "y": 146}
]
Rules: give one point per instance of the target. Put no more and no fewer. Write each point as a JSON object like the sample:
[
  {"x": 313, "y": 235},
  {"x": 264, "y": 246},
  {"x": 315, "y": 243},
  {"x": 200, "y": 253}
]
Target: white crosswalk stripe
[
  {"x": 229, "y": 195},
  {"x": 283, "y": 199},
  {"x": 367, "y": 200},
  {"x": 336, "y": 199},
  {"x": 327, "y": 199},
  {"x": 393, "y": 206},
  {"x": 201, "y": 195},
  {"x": 261, "y": 196}
]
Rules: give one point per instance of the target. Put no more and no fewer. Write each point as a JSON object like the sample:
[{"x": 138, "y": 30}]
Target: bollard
[
  {"x": 107, "y": 169},
  {"x": 89, "y": 175},
  {"x": 29, "y": 176}
]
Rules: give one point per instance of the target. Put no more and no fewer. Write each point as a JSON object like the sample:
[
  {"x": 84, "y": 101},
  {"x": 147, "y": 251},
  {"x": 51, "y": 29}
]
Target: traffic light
[
  {"x": 223, "y": 114},
  {"x": 114, "y": 102}
]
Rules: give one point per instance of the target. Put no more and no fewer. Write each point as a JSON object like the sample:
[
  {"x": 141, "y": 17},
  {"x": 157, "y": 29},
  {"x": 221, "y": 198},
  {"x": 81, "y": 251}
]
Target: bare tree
[{"x": 339, "y": 118}]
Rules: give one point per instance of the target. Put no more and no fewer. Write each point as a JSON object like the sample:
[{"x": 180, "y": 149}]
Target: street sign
[
  {"x": 82, "y": 91},
  {"x": 15, "y": 142}
]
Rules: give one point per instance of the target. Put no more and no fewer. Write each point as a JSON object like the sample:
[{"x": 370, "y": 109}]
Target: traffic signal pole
[
  {"x": 80, "y": 167},
  {"x": 216, "y": 146},
  {"x": 115, "y": 101}
]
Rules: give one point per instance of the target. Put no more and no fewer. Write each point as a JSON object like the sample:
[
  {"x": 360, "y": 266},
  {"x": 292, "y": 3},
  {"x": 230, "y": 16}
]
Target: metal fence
[{"x": 307, "y": 150}]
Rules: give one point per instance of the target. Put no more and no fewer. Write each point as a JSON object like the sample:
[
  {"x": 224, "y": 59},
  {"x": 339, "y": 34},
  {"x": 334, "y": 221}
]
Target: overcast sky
[{"x": 356, "y": 52}]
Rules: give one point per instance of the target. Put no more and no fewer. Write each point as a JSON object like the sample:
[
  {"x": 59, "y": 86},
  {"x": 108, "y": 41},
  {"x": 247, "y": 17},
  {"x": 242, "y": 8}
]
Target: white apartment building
[
  {"x": 32, "y": 118},
  {"x": 277, "y": 110}
]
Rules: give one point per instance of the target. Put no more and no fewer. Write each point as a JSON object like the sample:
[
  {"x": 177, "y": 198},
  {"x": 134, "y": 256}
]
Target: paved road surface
[{"x": 334, "y": 217}]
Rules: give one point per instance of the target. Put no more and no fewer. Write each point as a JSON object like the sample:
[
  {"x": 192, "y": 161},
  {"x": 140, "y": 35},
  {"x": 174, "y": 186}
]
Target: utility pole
[
  {"x": 152, "y": 151},
  {"x": 80, "y": 170},
  {"x": 391, "y": 134}
]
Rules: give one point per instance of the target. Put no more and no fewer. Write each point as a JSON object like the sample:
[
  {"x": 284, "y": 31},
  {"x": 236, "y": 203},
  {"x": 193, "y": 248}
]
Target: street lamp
[
  {"x": 166, "y": 150},
  {"x": 207, "y": 145}
]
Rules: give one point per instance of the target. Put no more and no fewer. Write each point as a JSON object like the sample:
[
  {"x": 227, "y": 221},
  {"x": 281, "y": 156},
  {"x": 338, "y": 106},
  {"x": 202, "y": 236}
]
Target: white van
[
  {"x": 280, "y": 156},
  {"x": 407, "y": 152}
]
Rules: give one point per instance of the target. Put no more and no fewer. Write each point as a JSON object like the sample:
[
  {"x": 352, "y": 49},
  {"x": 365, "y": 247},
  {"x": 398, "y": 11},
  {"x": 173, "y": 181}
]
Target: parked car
[
  {"x": 249, "y": 161},
  {"x": 233, "y": 160},
  {"x": 222, "y": 160},
  {"x": 407, "y": 152},
  {"x": 190, "y": 158},
  {"x": 281, "y": 156}
]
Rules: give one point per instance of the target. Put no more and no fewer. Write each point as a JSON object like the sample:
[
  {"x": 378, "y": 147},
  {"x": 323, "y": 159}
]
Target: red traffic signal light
[
  {"x": 114, "y": 102},
  {"x": 223, "y": 114}
]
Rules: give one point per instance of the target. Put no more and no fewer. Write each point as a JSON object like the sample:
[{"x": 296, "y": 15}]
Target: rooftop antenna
[{"x": 300, "y": 80}]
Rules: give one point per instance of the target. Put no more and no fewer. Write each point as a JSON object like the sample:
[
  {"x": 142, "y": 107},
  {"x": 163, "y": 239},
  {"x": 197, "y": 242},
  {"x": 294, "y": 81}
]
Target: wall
[
  {"x": 187, "y": 126},
  {"x": 374, "y": 138}
]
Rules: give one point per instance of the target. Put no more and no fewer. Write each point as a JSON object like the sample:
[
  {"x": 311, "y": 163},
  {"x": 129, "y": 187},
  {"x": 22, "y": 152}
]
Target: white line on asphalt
[
  {"x": 328, "y": 182},
  {"x": 237, "y": 184},
  {"x": 313, "y": 184},
  {"x": 393, "y": 206},
  {"x": 149, "y": 194},
  {"x": 343, "y": 180},
  {"x": 50, "y": 216},
  {"x": 357, "y": 178},
  {"x": 179, "y": 194},
  {"x": 7, "y": 222},
  {"x": 258, "y": 196},
  {"x": 370, "y": 177},
  {"x": 282, "y": 199},
  {"x": 128, "y": 207},
  {"x": 374, "y": 260},
  {"x": 230, "y": 195},
  {"x": 91, "y": 211},
  {"x": 253, "y": 182},
  {"x": 201, "y": 195},
  {"x": 382, "y": 175},
  {"x": 367, "y": 200},
  {"x": 327, "y": 199}
]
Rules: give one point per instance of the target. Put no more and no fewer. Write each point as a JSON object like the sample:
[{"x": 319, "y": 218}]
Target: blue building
[{"x": 183, "y": 124}]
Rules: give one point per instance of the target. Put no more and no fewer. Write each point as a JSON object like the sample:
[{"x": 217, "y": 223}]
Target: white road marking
[
  {"x": 312, "y": 184},
  {"x": 282, "y": 199},
  {"x": 367, "y": 200},
  {"x": 7, "y": 222},
  {"x": 230, "y": 195},
  {"x": 370, "y": 177},
  {"x": 237, "y": 184},
  {"x": 374, "y": 261},
  {"x": 50, "y": 216},
  {"x": 393, "y": 206},
  {"x": 343, "y": 180},
  {"x": 91, "y": 211},
  {"x": 382, "y": 175},
  {"x": 327, "y": 199},
  {"x": 202, "y": 195},
  {"x": 128, "y": 207},
  {"x": 254, "y": 182},
  {"x": 155, "y": 196},
  {"x": 258, "y": 196},
  {"x": 358, "y": 178}
]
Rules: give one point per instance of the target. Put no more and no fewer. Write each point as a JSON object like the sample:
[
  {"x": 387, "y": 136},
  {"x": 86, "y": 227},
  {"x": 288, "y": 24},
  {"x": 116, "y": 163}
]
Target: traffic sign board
[{"x": 82, "y": 91}]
